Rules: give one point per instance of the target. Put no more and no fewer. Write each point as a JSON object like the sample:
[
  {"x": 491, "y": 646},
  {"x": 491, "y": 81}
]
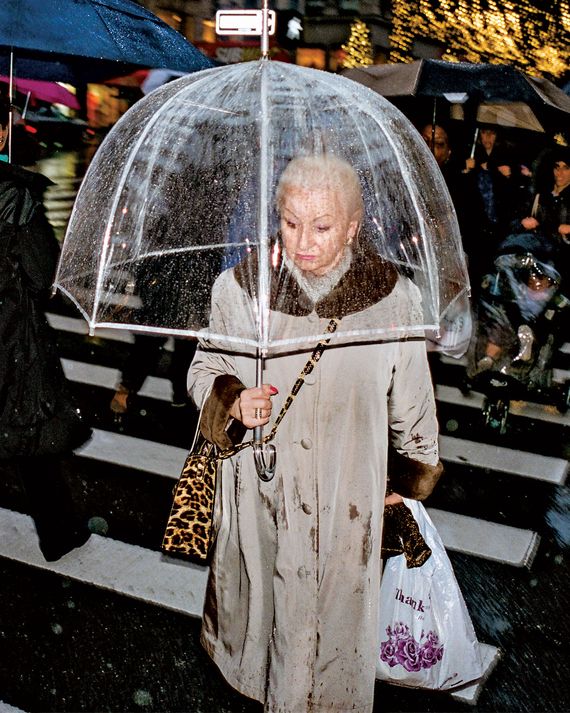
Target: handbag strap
[{"x": 306, "y": 370}]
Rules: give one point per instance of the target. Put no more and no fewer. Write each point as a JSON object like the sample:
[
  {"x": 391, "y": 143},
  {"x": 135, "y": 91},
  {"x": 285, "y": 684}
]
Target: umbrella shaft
[{"x": 258, "y": 430}]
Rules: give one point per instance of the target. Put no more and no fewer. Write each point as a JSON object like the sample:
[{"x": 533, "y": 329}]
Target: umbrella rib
[{"x": 418, "y": 75}]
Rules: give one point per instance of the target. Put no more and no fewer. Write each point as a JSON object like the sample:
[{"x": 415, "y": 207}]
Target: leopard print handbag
[
  {"x": 189, "y": 528},
  {"x": 189, "y": 531}
]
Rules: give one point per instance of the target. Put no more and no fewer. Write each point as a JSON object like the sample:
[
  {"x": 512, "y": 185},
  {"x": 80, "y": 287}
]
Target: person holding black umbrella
[
  {"x": 547, "y": 213},
  {"x": 39, "y": 423}
]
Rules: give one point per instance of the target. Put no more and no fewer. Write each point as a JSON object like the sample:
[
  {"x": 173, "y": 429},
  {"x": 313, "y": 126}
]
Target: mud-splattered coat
[{"x": 291, "y": 607}]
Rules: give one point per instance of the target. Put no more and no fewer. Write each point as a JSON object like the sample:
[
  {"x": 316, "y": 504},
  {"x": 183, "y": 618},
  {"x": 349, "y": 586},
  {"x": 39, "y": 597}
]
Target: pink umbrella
[{"x": 44, "y": 91}]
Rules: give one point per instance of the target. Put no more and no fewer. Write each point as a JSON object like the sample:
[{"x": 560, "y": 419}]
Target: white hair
[{"x": 323, "y": 172}]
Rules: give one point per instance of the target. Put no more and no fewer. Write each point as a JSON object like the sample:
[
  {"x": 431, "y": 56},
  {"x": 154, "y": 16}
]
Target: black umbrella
[
  {"x": 478, "y": 82},
  {"x": 77, "y": 41}
]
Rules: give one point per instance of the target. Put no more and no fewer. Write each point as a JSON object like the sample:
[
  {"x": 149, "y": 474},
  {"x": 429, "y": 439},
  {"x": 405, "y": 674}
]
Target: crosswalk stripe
[
  {"x": 462, "y": 361},
  {"x": 453, "y": 450},
  {"x": 541, "y": 412},
  {"x": 7, "y": 708},
  {"x": 106, "y": 377},
  {"x": 79, "y": 326},
  {"x": 504, "y": 460},
  {"x": 141, "y": 574},
  {"x": 160, "y": 458},
  {"x": 111, "y": 564},
  {"x": 463, "y": 533},
  {"x": 135, "y": 453},
  {"x": 481, "y": 538},
  {"x": 558, "y": 375},
  {"x": 490, "y": 656}
]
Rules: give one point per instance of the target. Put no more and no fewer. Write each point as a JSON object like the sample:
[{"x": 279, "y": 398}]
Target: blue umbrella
[{"x": 77, "y": 41}]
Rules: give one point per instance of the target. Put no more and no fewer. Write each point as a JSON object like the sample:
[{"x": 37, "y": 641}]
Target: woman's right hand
[
  {"x": 253, "y": 406},
  {"x": 529, "y": 223}
]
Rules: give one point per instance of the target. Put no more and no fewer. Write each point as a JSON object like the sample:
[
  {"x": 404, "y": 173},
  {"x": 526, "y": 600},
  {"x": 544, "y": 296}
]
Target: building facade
[{"x": 309, "y": 32}]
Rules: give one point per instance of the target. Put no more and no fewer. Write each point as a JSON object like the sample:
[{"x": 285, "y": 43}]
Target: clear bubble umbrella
[{"x": 183, "y": 188}]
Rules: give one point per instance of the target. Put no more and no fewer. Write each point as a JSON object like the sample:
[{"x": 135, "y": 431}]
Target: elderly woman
[{"x": 292, "y": 602}]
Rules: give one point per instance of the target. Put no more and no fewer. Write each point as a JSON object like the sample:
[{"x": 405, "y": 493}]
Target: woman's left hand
[{"x": 393, "y": 499}]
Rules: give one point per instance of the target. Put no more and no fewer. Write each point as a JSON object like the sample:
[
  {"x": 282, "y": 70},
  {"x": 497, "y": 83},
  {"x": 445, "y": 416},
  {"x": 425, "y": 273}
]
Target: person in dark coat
[
  {"x": 490, "y": 188},
  {"x": 547, "y": 212},
  {"x": 39, "y": 423},
  {"x": 468, "y": 207}
]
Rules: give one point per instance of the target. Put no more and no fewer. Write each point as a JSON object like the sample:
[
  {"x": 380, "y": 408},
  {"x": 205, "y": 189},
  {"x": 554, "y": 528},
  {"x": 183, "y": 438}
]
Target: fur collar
[{"x": 369, "y": 279}]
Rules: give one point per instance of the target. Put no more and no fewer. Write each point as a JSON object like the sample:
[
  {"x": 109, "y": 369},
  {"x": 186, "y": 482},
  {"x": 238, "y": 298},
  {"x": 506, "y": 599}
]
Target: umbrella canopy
[
  {"x": 44, "y": 91},
  {"x": 515, "y": 115},
  {"x": 481, "y": 82},
  {"x": 89, "y": 40},
  {"x": 184, "y": 186}
]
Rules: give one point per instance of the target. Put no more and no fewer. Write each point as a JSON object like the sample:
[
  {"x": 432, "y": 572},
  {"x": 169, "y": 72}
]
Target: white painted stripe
[
  {"x": 504, "y": 460},
  {"x": 136, "y": 453},
  {"x": 103, "y": 376},
  {"x": 462, "y": 361},
  {"x": 445, "y": 394},
  {"x": 113, "y": 565},
  {"x": 490, "y": 656},
  {"x": 142, "y": 574},
  {"x": 481, "y": 538},
  {"x": 539, "y": 412},
  {"x": 79, "y": 326},
  {"x": 161, "y": 389},
  {"x": 7, "y": 708},
  {"x": 453, "y": 450}
]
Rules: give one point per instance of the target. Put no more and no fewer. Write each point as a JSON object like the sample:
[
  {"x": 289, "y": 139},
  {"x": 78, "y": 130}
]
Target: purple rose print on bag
[{"x": 401, "y": 648}]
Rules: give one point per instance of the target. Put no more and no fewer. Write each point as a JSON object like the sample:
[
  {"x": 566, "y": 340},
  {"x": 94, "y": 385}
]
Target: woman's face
[
  {"x": 488, "y": 138},
  {"x": 561, "y": 175},
  {"x": 440, "y": 147},
  {"x": 316, "y": 225}
]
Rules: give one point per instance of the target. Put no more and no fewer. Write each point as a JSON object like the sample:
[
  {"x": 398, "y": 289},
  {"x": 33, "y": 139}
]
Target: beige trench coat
[{"x": 291, "y": 608}]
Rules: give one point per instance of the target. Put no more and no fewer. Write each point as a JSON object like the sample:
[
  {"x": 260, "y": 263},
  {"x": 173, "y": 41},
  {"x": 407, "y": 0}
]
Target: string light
[
  {"x": 359, "y": 47},
  {"x": 508, "y": 32}
]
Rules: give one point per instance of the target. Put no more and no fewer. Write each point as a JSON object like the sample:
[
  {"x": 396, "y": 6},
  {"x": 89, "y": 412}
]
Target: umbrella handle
[
  {"x": 472, "y": 154},
  {"x": 264, "y": 456}
]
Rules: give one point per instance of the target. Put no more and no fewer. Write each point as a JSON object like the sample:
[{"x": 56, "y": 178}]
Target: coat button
[
  {"x": 310, "y": 379},
  {"x": 306, "y": 509},
  {"x": 307, "y": 444}
]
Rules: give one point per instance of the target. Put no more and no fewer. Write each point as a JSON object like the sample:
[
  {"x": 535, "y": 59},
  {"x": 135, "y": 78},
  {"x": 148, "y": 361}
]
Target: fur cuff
[
  {"x": 216, "y": 413},
  {"x": 410, "y": 478}
]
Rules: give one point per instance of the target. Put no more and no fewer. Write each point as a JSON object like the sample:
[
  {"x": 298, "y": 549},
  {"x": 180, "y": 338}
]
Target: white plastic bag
[{"x": 426, "y": 638}]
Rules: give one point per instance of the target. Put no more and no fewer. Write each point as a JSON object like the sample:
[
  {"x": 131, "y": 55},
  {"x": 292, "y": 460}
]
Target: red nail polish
[{"x": 273, "y": 390}]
